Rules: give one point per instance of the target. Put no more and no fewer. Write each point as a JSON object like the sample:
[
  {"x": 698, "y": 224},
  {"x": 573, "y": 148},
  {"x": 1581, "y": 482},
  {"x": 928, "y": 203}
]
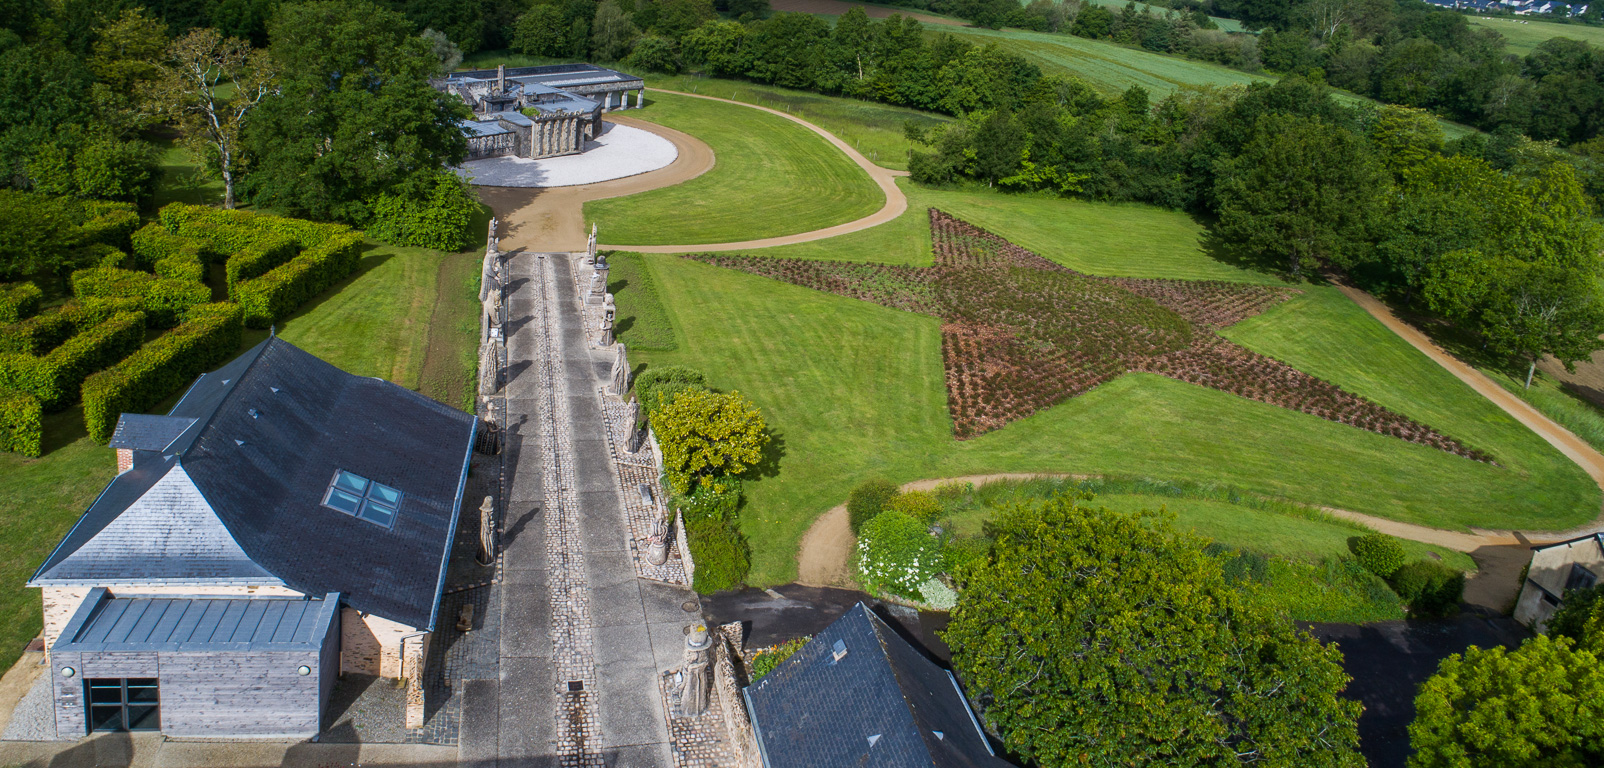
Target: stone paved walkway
[{"x": 582, "y": 639}]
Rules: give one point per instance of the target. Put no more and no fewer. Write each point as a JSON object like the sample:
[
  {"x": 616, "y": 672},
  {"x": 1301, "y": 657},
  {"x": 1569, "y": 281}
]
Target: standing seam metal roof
[{"x": 107, "y": 623}]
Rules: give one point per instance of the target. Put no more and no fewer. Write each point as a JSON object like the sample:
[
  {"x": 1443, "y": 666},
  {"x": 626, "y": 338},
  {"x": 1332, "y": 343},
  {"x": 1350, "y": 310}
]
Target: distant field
[
  {"x": 1523, "y": 35},
  {"x": 1108, "y": 66},
  {"x": 1229, "y": 25}
]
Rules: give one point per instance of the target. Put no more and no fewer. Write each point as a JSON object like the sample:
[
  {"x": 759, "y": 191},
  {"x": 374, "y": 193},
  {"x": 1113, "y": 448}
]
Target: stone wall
[
  {"x": 727, "y": 687},
  {"x": 370, "y": 645}
]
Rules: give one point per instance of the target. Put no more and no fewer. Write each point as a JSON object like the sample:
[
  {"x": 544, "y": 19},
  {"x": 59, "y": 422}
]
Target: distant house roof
[
  {"x": 481, "y": 128},
  {"x": 1598, "y": 537},
  {"x": 107, "y": 623},
  {"x": 237, "y": 497},
  {"x": 858, "y": 694}
]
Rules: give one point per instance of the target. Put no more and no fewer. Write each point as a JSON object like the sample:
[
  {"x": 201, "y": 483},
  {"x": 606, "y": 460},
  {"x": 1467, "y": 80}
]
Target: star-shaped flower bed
[{"x": 1021, "y": 334}]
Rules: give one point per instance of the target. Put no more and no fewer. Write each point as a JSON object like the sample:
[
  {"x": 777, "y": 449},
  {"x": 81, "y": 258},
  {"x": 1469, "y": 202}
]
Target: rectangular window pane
[
  {"x": 142, "y": 695},
  {"x": 98, "y": 695},
  {"x": 143, "y": 719},
  {"x": 377, "y": 513},
  {"x": 353, "y": 483},
  {"x": 146, "y": 682},
  {"x": 106, "y": 718},
  {"x": 385, "y": 495},
  {"x": 343, "y": 501}
]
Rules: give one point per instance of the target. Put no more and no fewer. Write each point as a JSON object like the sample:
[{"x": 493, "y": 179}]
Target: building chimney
[
  {"x": 125, "y": 460},
  {"x": 501, "y": 78}
]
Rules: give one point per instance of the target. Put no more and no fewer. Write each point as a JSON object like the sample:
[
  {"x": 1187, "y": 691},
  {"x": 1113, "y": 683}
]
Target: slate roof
[
  {"x": 107, "y": 623},
  {"x": 882, "y": 704},
  {"x": 143, "y": 432},
  {"x": 237, "y": 496}
]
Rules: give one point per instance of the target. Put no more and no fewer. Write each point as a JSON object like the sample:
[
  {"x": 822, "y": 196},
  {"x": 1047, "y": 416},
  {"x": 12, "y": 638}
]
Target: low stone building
[
  {"x": 858, "y": 694},
  {"x": 1556, "y": 569},
  {"x": 537, "y": 112},
  {"x": 284, "y": 523}
]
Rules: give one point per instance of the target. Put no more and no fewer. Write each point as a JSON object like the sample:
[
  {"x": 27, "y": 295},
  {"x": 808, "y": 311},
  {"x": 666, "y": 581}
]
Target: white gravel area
[
  {"x": 33, "y": 719},
  {"x": 620, "y": 151}
]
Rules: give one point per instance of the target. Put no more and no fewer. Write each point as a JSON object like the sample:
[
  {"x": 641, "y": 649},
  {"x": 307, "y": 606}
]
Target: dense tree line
[{"x": 1496, "y": 234}]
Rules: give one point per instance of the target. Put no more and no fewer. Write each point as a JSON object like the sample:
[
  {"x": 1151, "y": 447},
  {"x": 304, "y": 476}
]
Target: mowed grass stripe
[
  {"x": 1108, "y": 66},
  {"x": 772, "y": 177}
]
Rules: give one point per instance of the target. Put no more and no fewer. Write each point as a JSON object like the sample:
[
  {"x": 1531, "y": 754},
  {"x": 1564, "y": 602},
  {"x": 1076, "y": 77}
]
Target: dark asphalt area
[{"x": 1387, "y": 660}]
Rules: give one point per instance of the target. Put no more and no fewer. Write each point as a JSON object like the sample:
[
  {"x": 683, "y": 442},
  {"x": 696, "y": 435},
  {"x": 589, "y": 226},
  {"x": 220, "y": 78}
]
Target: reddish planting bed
[{"x": 1021, "y": 333}]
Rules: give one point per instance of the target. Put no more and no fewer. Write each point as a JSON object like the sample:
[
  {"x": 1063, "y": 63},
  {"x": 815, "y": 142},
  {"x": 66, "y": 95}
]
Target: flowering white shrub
[
  {"x": 938, "y": 595},
  {"x": 896, "y": 555}
]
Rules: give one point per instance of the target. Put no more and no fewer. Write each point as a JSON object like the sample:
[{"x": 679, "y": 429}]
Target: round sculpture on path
[{"x": 620, "y": 151}]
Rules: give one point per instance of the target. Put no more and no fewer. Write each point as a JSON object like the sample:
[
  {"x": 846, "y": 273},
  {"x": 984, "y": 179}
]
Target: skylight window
[{"x": 360, "y": 497}]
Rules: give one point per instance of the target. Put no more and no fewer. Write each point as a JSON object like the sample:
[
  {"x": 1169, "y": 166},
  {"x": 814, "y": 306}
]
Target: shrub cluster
[
  {"x": 766, "y": 659},
  {"x": 656, "y": 385},
  {"x": 1429, "y": 588},
  {"x": 275, "y": 295},
  {"x": 1379, "y": 553},
  {"x": 442, "y": 222},
  {"x": 896, "y": 555},
  {"x": 209, "y": 334},
  {"x": 53, "y": 378},
  {"x": 106, "y": 222},
  {"x": 18, "y": 301},
  {"x": 170, "y": 255},
  {"x": 21, "y": 423},
  {"x": 868, "y": 499}
]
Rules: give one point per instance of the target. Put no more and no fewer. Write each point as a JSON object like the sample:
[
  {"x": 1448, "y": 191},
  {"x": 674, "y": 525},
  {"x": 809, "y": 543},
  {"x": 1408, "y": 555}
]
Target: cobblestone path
[{"x": 583, "y": 641}]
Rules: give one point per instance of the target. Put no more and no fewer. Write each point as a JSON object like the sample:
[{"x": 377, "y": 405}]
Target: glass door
[{"x": 124, "y": 704}]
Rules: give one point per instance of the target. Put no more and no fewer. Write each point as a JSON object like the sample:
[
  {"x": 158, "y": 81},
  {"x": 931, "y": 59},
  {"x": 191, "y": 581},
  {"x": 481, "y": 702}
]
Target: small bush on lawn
[
  {"x": 209, "y": 335},
  {"x": 1428, "y": 588},
  {"x": 920, "y": 505},
  {"x": 1379, "y": 553},
  {"x": 654, "y": 386},
  {"x": 764, "y": 661},
  {"x": 708, "y": 434},
  {"x": 54, "y": 377},
  {"x": 21, "y": 423},
  {"x": 720, "y": 553},
  {"x": 18, "y": 301},
  {"x": 868, "y": 499},
  {"x": 896, "y": 555},
  {"x": 440, "y": 219}
]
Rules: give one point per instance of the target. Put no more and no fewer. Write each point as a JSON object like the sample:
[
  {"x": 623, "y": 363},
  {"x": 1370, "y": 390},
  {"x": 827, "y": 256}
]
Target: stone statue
[
  {"x": 487, "y": 530},
  {"x": 619, "y": 381},
  {"x": 598, "y": 286},
  {"x": 698, "y": 653},
  {"x": 657, "y": 543},
  {"x": 591, "y": 249},
  {"x": 609, "y": 312}
]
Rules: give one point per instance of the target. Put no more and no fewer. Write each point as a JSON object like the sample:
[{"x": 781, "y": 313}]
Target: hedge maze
[
  {"x": 1021, "y": 333},
  {"x": 94, "y": 347}
]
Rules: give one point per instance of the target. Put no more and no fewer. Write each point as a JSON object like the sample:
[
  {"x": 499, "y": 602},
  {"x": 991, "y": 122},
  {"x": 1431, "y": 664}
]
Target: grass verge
[
  {"x": 772, "y": 177},
  {"x": 641, "y": 321},
  {"x": 1549, "y": 397}
]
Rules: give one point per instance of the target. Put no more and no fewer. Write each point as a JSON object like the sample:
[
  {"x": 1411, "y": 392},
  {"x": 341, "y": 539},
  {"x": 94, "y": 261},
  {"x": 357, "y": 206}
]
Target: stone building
[
  {"x": 285, "y": 523},
  {"x": 1556, "y": 569},
  {"x": 538, "y": 111}
]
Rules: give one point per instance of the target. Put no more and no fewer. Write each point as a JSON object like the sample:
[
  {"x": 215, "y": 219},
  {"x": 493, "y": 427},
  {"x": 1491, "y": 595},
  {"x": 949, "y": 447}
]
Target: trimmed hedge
[
  {"x": 169, "y": 255},
  {"x": 1379, "y": 553},
  {"x": 720, "y": 553},
  {"x": 868, "y": 499},
  {"x": 654, "y": 387},
  {"x": 102, "y": 255},
  {"x": 38, "y": 334},
  {"x": 21, "y": 423},
  {"x": 1429, "y": 588},
  {"x": 164, "y": 299},
  {"x": 54, "y": 378},
  {"x": 209, "y": 335},
  {"x": 275, "y": 295},
  {"x": 108, "y": 222},
  {"x": 18, "y": 301},
  {"x": 231, "y": 231},
  {"x": 260, "y": 257}
]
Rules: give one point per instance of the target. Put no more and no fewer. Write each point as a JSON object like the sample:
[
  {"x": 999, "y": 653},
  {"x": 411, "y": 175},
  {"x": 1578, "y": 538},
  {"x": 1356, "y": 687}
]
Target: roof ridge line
[{"x": 200, "y": 426}]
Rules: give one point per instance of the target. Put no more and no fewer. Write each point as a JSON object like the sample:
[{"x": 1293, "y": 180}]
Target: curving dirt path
[
  {"x": 885, "y": 178},
  {"x": 552, "y": 219}
]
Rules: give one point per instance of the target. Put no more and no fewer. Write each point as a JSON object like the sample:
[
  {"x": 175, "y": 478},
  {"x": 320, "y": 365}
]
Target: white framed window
[{"x": 360, "y": 497}]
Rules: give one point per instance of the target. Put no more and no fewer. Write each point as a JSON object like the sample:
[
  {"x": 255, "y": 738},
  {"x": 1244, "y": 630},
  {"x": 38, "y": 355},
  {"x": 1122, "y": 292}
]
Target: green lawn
[
  {"x": 1522, "y": 35},
  {"x": 1228, "y": 25},
  {"x": 772, "y": 177},
  {"x": 1550, "y": 398},
  {"x": 873, "y": 129},
  {"x": 183, "y": 181},
  {"x": 853, "y": 390},
  {"x": 1106, "y": 66}
]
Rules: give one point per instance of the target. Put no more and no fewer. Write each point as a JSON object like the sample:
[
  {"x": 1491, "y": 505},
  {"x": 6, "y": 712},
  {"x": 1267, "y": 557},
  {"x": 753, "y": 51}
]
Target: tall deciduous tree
[
  {"x": 612, "y": 34},
  {"x": 1531, "y": 287},
  {"x": 1540, "y": 706},
  {"x": 1097, "y": 638},
  {"x": 189, "y": 93},
  {"x": 354, "y": 115},
  {"x": 1302, "y": 189}
]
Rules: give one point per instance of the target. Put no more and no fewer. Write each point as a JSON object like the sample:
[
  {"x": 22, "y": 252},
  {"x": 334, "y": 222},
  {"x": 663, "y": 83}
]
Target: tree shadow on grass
[
  {"x": 368, "y": 262},
  {"x": 1229, "y": 254},
  {"x": 62, "y": 429},
  {"x": 773, "y": 452}
]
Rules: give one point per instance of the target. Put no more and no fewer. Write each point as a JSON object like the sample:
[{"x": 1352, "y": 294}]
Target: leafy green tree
[
  {"x": 1406, "y": 137},
  {"x": 1302, "y": 189},
  {"x": 126, "y": 55},
  {"x": 541, "y": 31},
  {"x": 462, "y": 21},
  {"x": 1581, "y": 618},
  {"x": 42, "y": 90},
  {"x": 1531, "y": 287},
  {"x": 189, "y": 93},
  {"x": 1443, "y": 205},
  {"x": 677, "y": 17},
  {"x": 438, "y": 217},
  {"x": 719, "y": 47},
  {"x": 1540, "y": 706},
  {"x": 705, "y": 433},
  {"x": 355, "y": 115},
  {"x": 447, "y": 52},
  {"x": 654, "y": 53},
  {"x": 109, "y": 169},
  {"x": 612, "y": 34},
  {"x": 37, "y": 236},
  {"x": 1098, "y": 638}
]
